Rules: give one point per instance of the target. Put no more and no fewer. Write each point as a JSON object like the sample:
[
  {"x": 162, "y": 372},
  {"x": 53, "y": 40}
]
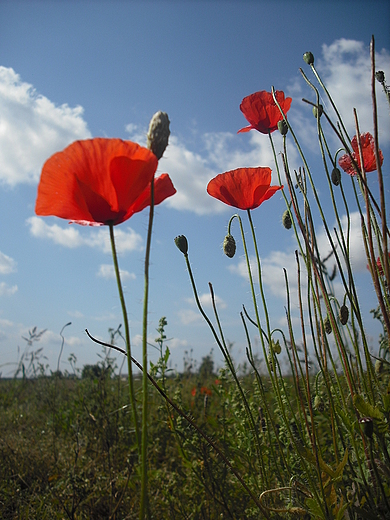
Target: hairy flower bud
[
  {"x": 327, "y": 325},
  {"x": 229, "y": 246},
  {"x": 182, "y": 244},
  {"x": 283, "y": 127},
  {"x": 378, "y": 367},
  {"x": 343, "y": 314},
  {"x": 308, "y": 58},
  {"x": 336, "y": 176},
  {"x": 286, "y": 219},
  {"x": 158, "y": 134},
  {"x": 276, "y": 346},
  {"x": 319, "y": 403}
]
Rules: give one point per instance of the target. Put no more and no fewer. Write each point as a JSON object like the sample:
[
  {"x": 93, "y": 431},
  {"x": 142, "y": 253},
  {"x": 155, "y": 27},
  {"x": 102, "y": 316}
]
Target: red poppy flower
[
  {"x": 368, "y": 150},
  {"x": 100, "y": 181},
  {"x": 261, "y": 111},
  {"x": 243, "y": 188},
  {"x": 193, "y": 391},
  {"x": 205, "y": 390}
]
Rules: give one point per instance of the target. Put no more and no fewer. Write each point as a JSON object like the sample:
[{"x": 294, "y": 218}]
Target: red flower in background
[
  {"x": 379, "y": 264},
  {"x": 205, "y": 390},
  {"x": 243, "y": 188},
  {"x": 261, "y": 111},
  {"x": 193, "y": 391},
  {"x": 100, "y": 181},
  {"x": 368, "y": 150}
]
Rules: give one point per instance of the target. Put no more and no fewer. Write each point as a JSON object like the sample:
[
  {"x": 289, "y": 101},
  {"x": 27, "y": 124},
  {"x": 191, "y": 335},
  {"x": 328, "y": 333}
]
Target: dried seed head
[
  {"x": 286, "y": 219},
  {"x": 336, "y": 176},
  {"x": 283, "y": 127},
  {"x": 343, "y": 314},
  {"x": 229, "y": 246},
  {"x": 308, "y": 58},
  {"x": 380, "y": 76},
  {"x": 158, "y": 134},
  {"x": 182, "y": 243},
  {"x": 327, "y": 325}
]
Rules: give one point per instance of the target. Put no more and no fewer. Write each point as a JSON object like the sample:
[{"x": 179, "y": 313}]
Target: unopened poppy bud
[
  {"x": 229, "y": 246},
  {"x": 276, "y": 347},
  {"x": 380, "y": 76},
  {"x": 327, "y": 325},
  {"x": 378, "y": 367},
  {"x": 286, "y": 219},
  {"x": 319, "y": 403},
  {"x": 283, "y": 127},
  {"x": 343, "y": 314},
  {"x": 319, "y": 111},
  {"x": 336, "y": 176},
  {"x": 182, "y": 244},
  {"x": 308, "y": 58},
  {"x": 368, "y": 426},
  {"x": 158, "y": 134}
]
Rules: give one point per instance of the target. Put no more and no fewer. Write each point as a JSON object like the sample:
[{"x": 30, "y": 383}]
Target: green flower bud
[
  {"x": 343, "y": 314},
  {"x": 327, "y": 325},
  {"x": 158, "y": 134},
  {"x": 276, "y": 347},
  {"x": 229, "y": 246},
  {"x": 368, "y": 426},
  {"x": 286, "y": 219},
  {"x": 378, "y": 367},
  {"x": 319, "y": 403},
  {"x": 336, "y": 176},
  {"x": 182, "y": 243},
  {"x": 283, "y": 127},
  {"x": 308, "y": 58},
  {"x": 319, "y": 111},
  {"x": 271, "y": 361}
]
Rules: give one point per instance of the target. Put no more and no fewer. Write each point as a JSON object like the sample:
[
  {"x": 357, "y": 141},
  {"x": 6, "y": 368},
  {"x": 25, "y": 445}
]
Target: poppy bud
[
  {"x": 286, "y": 219},
  {"x": 319, "y": 111},
  {"x": 327, "y": 325},
  {"x": 158, "y": 134},
  {"x": 229, "y": 246},
  {"x": 343, "y": 314},
  {"x": 276, "y": 347},
  {"x": 368, "y": 426},
  {"x": 283, "y": 127},
  {"x": 378, "y": 367},
  {"x": 380, "y": 76},
  {"x": 336, "y": 176},
  {"x": 308, "y": 58},
  {"x": 182, "y": 244},
  {"x": 319, "y": 403}
]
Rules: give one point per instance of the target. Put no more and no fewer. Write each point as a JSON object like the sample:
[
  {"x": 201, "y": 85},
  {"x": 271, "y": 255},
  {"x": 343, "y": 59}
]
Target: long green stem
[
  {"x": 144, "y": 449},
  {"x": 127, "y": 335}
]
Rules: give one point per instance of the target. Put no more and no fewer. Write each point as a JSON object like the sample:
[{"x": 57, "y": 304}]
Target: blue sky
[{"x": 72, "y": 70}]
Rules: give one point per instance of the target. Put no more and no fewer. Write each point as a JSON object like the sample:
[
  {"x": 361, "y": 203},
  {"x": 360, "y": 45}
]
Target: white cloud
[
  {"x": 205, "y": 300},
  {"x": 7, "y": 264},
  {"x": 32, "y": 128},
  {"x": 125, "y": 240},
  {"x": 188, "y": 316},
  {"x": 7, "y": 290},
  {"x": 107, "y": 271}
]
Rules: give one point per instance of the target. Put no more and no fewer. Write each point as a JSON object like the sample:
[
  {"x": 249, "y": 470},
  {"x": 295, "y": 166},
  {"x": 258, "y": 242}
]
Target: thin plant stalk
[{"x": 127, "y": 336}]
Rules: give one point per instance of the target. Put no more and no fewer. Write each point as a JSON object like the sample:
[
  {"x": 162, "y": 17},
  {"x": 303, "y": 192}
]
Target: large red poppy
[
  {"x": 261, "y": 111},
  {"x": 368, "y": 150},
  {"x": 243, "y": 188},
  {"x": 100, "y": 181}
]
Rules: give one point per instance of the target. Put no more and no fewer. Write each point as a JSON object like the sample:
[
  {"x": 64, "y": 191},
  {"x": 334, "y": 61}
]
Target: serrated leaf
[{"x": 367, "y": 409}]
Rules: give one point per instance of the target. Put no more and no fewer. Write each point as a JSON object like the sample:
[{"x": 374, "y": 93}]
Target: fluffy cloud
[
  {"x": 72, "y": 236},
  {"x": 7, "y": 290},
  {"x": 107, "y": 271},
  {"x": 7, "y": 264},
  {"x": 32, "y": 128}
]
